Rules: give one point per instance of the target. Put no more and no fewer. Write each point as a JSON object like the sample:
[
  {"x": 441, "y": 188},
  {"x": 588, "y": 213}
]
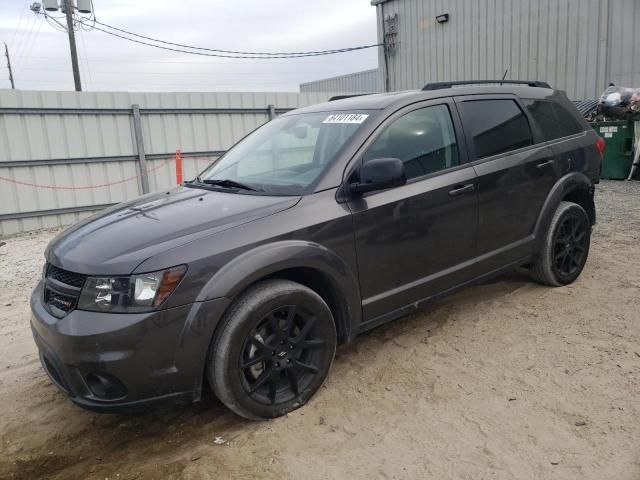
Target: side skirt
[{"x": 407, "y": 309}]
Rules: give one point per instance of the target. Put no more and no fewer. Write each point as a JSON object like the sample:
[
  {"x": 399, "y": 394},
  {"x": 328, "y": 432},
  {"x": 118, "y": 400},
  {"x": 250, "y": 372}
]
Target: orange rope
[{"x": 84, "y": 187}]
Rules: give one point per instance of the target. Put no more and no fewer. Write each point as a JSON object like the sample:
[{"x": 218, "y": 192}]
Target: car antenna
[{"x": 505, "y": 74}]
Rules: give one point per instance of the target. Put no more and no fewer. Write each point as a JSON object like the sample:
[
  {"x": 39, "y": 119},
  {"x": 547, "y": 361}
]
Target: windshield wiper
[{"x": 230, "y": 184}]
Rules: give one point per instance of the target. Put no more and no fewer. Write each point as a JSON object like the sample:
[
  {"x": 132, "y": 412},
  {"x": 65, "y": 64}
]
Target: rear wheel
[
  {"x": 273, "y": 350},
  {"x": 565, "y": 248}
]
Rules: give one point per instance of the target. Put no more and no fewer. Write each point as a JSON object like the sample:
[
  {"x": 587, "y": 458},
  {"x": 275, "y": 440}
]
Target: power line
[
  {"x": 29, "y": 48},
  {"x": 303, "y": 61},
  {"x": 233, "y": 52},
  {"x": 86, "y": 57},
  {"x": 183, "y": 73},
  {"x": 229, "y": 56},
  {"x": 18, "y": 47},
  {"x": 24, "y": 8}
]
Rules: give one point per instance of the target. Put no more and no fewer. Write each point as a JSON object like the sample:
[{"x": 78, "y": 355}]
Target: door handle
[
  {"x": 545, "y": 163},
  {"x": 460, "y": 189}
]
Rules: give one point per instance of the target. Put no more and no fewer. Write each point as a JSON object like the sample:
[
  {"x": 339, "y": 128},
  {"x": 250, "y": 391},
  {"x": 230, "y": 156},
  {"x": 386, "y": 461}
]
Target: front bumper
[{"x": 114, "y": 362}]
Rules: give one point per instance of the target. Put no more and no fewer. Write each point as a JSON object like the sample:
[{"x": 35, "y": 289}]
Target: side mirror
[{"x": 378, "y": 174}]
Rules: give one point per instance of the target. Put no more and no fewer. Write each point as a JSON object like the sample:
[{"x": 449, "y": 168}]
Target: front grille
[
  {"x": 62, "y": 290},
  {"x": 61, "y": 302},
  {"x": 64, "y": 276}
]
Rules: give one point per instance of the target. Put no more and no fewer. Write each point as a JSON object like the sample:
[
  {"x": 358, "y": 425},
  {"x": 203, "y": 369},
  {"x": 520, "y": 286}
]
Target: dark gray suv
[{"x": 323, "y": 223}]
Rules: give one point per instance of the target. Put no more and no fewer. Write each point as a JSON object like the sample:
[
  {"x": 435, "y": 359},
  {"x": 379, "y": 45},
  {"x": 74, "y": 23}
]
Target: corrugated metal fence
[
  {"x": 64, "y": 155},
  {"x": 367, "y": 81}
]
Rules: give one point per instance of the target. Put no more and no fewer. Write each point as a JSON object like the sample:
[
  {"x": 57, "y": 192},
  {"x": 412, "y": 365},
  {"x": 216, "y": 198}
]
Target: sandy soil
[{"x": 506, "y": 380}]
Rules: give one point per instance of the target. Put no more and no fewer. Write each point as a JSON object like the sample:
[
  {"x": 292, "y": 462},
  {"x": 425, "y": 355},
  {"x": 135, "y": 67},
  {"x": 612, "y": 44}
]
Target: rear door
[
  {"x": 416, "y": 240},
  {"x": 514, "y": 176},
  {"x": 565, "y": 134}
]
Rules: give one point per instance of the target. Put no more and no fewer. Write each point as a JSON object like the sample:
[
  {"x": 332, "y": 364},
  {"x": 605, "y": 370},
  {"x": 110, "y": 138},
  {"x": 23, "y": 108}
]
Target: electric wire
[
  {"x": 26, "y": 56},
  {"x": 206, "y": 54},
  {"x": 234, "y": 52},
  {"x": 24, "y": 42},
  {"x": 86, "y": 59},
  {"x": 13, "y": 36}
]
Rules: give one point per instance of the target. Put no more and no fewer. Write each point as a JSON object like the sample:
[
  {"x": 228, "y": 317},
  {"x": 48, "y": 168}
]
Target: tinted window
[
  {"x": 553, "y": 119},
  {"x": 424, "y": 140},
  {"x": 497, "y": 126},
  {"x": 566, "y": 121}
]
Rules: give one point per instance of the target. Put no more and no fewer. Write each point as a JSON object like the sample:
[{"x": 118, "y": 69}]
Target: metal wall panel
[
  {"x": 576, "y": 45},
  {"x": 94, "y": 146},
  {"x": 624, "y": 58},
  {"x": 360, "y": 82}
]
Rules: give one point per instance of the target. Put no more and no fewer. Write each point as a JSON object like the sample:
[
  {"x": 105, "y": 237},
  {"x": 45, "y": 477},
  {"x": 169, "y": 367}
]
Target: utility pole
[
  {"x": 6, "y": 53},
  {"x": 69, "y": 6}
]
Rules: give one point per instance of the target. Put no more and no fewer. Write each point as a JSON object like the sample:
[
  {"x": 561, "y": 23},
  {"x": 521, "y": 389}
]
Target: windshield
[{"x": 285, "y": 156}]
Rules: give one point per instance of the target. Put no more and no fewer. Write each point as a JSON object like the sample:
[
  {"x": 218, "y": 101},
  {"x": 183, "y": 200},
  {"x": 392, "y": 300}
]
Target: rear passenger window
[
  {"x": 553, "y": 119},
  {"x": 497, "y": 126},
  {"x": 424, "y": 140}
]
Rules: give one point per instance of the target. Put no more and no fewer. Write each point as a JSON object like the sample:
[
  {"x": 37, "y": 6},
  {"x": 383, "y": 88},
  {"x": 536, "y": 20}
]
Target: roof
[{"x": 380, "y": 101}]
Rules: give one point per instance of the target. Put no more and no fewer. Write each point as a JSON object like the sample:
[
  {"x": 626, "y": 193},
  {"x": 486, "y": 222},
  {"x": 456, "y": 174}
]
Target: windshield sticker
[{"x": 346, "y": 118}]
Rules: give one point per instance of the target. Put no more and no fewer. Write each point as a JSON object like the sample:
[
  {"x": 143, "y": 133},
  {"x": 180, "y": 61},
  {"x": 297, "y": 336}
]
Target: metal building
[
  {"x": 365, "y": 81},
  {"x": 579, "y": 46}
]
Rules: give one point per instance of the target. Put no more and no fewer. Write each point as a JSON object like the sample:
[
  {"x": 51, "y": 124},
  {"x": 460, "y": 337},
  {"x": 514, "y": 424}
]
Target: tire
[
  {"x": 272, "y": 351},
  {"x": 565, "y": 248}
]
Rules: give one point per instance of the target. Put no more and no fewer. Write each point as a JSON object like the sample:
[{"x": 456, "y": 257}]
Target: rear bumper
[{"x": 114, "y": 362}]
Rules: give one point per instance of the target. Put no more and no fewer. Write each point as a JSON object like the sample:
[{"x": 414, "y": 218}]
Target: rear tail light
[{"x": 600, "y": 146}]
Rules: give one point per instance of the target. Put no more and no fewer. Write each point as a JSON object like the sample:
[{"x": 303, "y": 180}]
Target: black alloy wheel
[
  {"x": 570, "y": 244},
  {"x": 272, "y": 350},
  {"x": 565, "y": 246},
  {"x": 282, "y": 355}
]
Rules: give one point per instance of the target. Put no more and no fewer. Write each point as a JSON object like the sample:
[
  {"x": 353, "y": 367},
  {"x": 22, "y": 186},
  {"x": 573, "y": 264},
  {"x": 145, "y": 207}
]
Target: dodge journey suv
[{"x": 321, "y": 224}]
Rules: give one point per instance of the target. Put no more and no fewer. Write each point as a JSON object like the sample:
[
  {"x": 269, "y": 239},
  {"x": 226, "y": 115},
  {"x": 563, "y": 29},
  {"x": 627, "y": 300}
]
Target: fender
[
  {"x": 565, "y": 185},
  {"x": 234, "y": 277}
]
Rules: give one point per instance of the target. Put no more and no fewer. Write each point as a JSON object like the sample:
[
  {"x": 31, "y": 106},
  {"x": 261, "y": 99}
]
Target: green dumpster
[{"x": 618, "y": 154}]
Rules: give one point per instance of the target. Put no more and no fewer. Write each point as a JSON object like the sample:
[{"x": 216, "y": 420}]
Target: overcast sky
[{"x": 40, "y": 54}]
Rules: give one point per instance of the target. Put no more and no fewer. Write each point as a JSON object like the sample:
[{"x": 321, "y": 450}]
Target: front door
[{"x": 416, "y": 240}]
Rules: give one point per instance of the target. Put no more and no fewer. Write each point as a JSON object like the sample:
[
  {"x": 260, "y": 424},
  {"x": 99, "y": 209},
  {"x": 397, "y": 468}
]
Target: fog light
[{"x": 105, "y": 387}]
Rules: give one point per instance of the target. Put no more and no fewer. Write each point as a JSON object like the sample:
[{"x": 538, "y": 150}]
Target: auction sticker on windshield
[{"x": 346, "y": 118}]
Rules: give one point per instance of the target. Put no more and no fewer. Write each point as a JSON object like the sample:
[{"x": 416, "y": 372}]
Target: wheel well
[
  {"x": 320, "y": 283},
  {"x": 584, "y": 198}
]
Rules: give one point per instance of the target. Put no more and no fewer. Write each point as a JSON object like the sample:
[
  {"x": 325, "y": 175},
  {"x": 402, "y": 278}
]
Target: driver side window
[{"x": 423, "y": 139}]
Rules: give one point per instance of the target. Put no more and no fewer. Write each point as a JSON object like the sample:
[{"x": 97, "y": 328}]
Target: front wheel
[
  {"x": 273, "y": 350},
  {"x": 566, "y": 246}
]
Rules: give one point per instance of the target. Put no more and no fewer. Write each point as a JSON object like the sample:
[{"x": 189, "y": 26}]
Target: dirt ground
[{"x": 507, "y": 380}]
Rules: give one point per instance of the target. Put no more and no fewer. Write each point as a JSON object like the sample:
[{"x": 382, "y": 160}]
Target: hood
[{"x": 116, "y": 240}]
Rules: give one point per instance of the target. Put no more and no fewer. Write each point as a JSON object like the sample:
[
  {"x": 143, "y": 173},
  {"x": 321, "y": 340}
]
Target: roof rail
[
  {"x": 342, "y": 97},
  {"x": 441, "y": 85}
]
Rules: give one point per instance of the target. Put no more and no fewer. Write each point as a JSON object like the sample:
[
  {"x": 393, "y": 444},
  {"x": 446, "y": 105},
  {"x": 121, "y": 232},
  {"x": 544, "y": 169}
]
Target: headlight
[{"x": 135, "y": 293}]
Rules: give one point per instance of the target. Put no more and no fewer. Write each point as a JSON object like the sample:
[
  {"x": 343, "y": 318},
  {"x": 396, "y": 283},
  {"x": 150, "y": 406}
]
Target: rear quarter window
[
  {"x": 553, "y": 119},
  {"x": 497, "y": 126}
]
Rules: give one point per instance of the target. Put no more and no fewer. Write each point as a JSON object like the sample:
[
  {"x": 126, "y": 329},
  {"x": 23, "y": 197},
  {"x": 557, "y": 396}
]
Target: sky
[{"x": 41, "y": 61}]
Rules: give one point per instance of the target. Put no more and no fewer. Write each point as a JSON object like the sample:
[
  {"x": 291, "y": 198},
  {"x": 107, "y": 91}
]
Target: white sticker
[
  {"x": 608, "y": 135},
  {"x": 346, "y": 118},
  {"x": 613, "y": 129}
]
